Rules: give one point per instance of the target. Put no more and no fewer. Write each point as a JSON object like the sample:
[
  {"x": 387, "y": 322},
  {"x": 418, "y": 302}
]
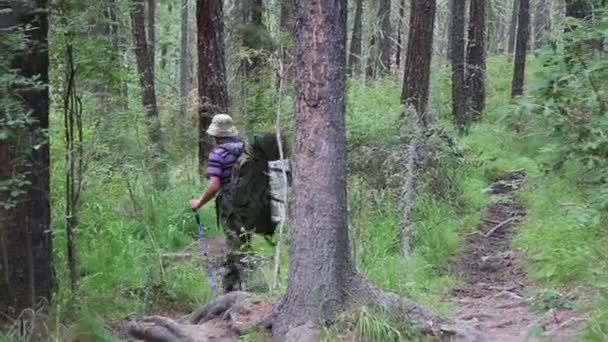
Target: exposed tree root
[
  {"x": 365, "y": 293},
  {"x": 223, "y": 319}
]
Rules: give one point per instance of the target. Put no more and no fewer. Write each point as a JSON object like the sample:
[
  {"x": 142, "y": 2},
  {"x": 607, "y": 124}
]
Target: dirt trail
[{"x": 493, "y": 294}]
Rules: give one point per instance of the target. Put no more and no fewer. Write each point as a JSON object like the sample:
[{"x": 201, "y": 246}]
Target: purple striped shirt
[{"x": 221, "y": 161}]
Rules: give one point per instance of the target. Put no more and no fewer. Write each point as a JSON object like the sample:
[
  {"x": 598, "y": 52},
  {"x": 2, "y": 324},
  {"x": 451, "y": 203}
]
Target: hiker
[{"x": 228, "y": 147}]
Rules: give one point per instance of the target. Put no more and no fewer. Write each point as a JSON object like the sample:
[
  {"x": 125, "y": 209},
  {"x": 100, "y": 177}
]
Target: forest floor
[{"x": 495, "y": 294}]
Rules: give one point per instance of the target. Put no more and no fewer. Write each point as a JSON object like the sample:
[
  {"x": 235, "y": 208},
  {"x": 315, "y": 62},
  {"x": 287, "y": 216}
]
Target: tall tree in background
[
  {"x": 146, "y": 81},
  {"x": 418, "y": 60},
  {"x": 287, "y": 23},
  {"x": 212, "y": 92},
  {"x": 523, "y": 36},
  {"x": 253, "y": 33},
  {"x": 542, "y": 22},
  {"x": 152, "y": 33},
  {"x": 459, "y": 94},
  {"x": 165, "y": 43},
  {"x": 476, "y": 60},
  {"x": 183, "y": 58},
  {"x": 354, "y": 56},
  {"x": 384, "y": 38},
  {"x": 449, "y": 33},
  {"x": 513, "y": 27},
  {"x": 400, "y": 33},
  {"x": 26, "y": 264},
  {"x": 581, "y": 9}
]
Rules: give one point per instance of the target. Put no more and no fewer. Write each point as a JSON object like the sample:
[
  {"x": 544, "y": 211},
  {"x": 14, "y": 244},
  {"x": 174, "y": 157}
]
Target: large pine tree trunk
[
  {"x": 26, "y": 253},
  {"x": 354, "y": 56},
  {"x": 476, "y": 60},
  {"x": 523, "y": 36},
  {"x": 418, "y": 61},
  {"x": 458, "y": 70},
  {"x": 319, "y": 247},
  {"x": 322, "y": 278},
  {"x": 183, "y": 58},
  {"x": 384, "y": 38},
  {"x": 212, "y": 92},
  {"x": 146, "y": 81},
  {"x": 513, "y": 27}
]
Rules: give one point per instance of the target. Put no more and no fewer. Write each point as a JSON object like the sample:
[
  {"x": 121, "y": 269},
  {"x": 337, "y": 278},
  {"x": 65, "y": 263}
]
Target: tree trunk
[
  {"x": 370, "y": 65},
  {"x": 459, "y": 92},
  {"x": 476, "y": 60},
  {"x": 183, "y": 59},
  {"x": 384, "y": 38},
  {"x": 146, "y": 81},
  {"x": 322, "y": 279},
  {"x": 26, "y": 254},
  {"x": 449, "y": 32},
  {"x": 523, "y": 35},
  {"x": 212, "y": 92},
  {"x": 319, "y": 247},
  {"x": 513, "y": 27},
  {"x": 164, "y": 47},
  {"x": 542, "y": 23},
  {"x": 254, "y": 29},
  {"x": 580, "y": 9},
  {"x": 418, "y": 60},
  {"x": 354, "y": 56},
  {"x": 152, "y": 33},
  {"x": 287, "y": 23},
  {"x": 400, "y": 33}
]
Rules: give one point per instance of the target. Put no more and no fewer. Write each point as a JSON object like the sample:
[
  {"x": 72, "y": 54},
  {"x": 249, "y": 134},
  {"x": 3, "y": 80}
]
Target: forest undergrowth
[{"x": 127, "y": 226}]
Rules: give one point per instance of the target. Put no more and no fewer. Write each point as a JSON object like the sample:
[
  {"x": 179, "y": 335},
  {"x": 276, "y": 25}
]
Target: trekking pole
[{"x": 203, "y": 244}]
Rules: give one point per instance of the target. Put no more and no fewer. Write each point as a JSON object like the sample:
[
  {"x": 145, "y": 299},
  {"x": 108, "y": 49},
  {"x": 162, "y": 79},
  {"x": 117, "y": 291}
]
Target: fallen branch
[{"x": 501, "y": 224}]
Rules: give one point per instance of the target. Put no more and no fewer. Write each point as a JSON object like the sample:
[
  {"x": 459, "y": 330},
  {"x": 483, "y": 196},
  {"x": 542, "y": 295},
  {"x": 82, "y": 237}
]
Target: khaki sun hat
[{"x": 221, "y": 126}]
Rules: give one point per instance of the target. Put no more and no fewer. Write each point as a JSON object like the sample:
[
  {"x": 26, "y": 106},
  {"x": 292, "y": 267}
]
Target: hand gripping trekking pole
[{"x": 203, "y": 243}]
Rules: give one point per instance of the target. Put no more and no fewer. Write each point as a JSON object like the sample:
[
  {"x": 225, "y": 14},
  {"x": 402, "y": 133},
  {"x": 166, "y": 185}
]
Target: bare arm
[{"x": 212, "y": 189}]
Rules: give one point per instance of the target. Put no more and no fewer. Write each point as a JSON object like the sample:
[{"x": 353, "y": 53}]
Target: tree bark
[
  {"x": 476, "y": 60},
  {"x": 152, "y": 33},
  {"x": 319, "y": 247},
  {"x": 26, "y": 253},
  {"x": 513, "y": 27},
  {"x": 459, "y": 93},
  {"x": 212, "y": 92},
  {"x": 254, "y": 29},
  {"x": 354, "y": 56},
  {"x": 164, "y": 46},
  {"x": 183, "y": 59},
  {"x": 542, "y": 23},
  {"x": 146, "y": 81},
  {"x": 287, "y": 23},
  {"x": 384, "y": 38},
  {"x": 400, "y": 33},
  {"x": 523, "y": 36},
  {"x": 449, "y": 32},
  {"x": 418, "y": 61},
  {"x": 580, "y": 9}
]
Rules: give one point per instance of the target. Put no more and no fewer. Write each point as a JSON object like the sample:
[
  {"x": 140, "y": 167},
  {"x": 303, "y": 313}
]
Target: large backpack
[{"x": 250, "y": 195}]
